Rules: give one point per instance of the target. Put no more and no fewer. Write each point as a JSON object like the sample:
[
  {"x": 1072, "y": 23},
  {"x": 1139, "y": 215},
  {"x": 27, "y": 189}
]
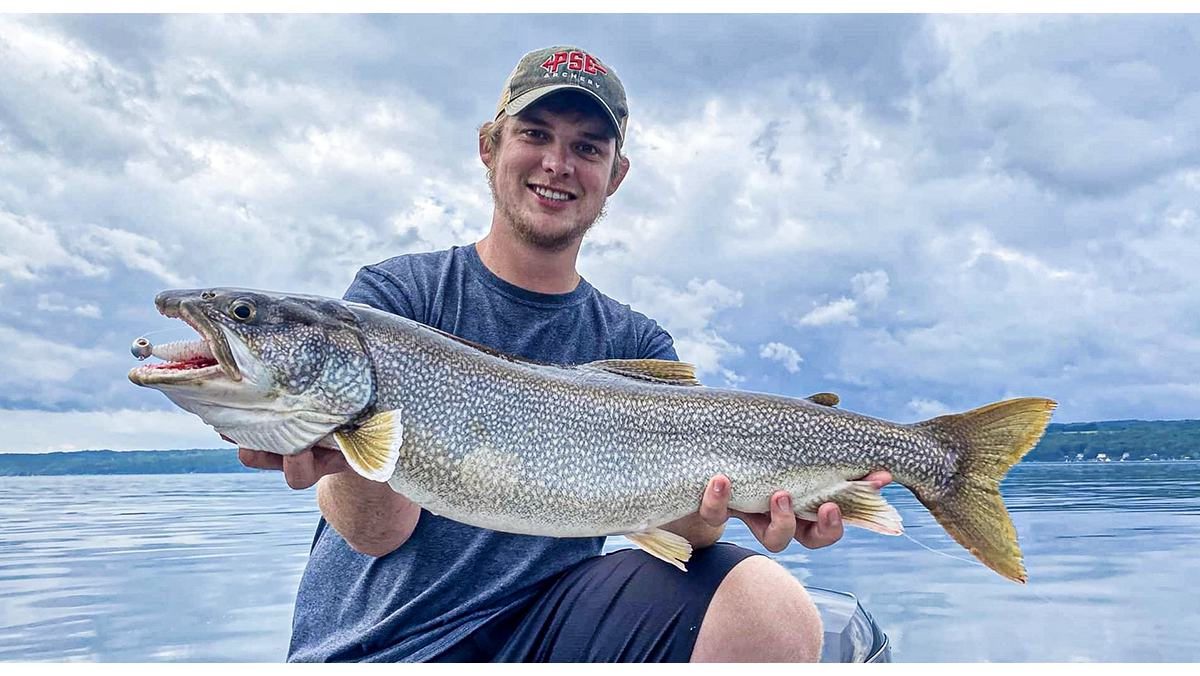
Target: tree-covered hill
[
  {"x": 192, "y": 461},
  {"x": 1140, "y": 439}
]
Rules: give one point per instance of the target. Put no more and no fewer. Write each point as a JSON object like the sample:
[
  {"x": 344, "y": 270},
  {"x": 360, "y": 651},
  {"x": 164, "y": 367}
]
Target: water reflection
[
  {"x": 173, "y": 567},
  {"x": 205, "y": 568},
  {"x": 1111, "y": 555}
]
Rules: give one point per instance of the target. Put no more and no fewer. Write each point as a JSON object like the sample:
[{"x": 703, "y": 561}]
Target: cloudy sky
[{"x": 923, "y": 214}]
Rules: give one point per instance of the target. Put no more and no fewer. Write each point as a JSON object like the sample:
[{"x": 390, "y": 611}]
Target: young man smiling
[{"x": 387, "y": 581}]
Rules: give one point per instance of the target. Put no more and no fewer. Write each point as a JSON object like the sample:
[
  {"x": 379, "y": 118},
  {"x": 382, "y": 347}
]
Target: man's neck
[{"x": 527, "y": 266}]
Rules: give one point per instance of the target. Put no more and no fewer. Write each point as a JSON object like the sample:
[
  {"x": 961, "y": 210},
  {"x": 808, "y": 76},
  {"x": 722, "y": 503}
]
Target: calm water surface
[{"x": 205, "y": 568}]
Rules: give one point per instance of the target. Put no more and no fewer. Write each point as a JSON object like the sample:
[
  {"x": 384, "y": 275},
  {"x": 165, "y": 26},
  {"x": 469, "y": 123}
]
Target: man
[{"x": 388, "y": 581}]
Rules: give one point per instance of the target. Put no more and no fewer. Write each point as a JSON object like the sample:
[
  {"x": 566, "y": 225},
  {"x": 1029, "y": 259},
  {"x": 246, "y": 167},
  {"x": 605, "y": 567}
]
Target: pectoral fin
[
  {"x": 861, "y": 505},
  {"x": 664, "y": 545},
  {"x": 374, "y": 448}
]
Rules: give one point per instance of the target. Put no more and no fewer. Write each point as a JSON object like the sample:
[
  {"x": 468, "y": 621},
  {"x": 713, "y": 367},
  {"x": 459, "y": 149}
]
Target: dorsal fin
[
  {"x": 824, "y": 399},
  {"x": 664, "y": 371},
  {"x": 658, "y": 370},
  {"x": 487, "y": 350}
]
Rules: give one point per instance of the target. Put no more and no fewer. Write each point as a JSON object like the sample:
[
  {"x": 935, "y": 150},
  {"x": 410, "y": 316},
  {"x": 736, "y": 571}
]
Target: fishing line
[
  {"x": 972, "y": 561},
  {"x": 935, "y": 551},
  {"x": 143, "y": 348},
  {"x": 173, "y": 328}
]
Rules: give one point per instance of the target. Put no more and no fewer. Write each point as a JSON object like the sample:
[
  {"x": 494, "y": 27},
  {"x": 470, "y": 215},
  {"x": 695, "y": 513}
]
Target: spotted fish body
[
  {"x": 612, "y": 447},
  {"x": 584, "y": 451}
]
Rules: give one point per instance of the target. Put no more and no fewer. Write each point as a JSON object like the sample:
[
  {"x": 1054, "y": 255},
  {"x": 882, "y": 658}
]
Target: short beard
[{"x": 524, "y": 230}]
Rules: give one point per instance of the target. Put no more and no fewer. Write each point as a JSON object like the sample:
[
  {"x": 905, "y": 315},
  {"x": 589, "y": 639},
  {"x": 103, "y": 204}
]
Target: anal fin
[
  {"x": 861, "y": 505},
  {"x": 373, "y": 449},
  {"x": 663, "y": 545}
]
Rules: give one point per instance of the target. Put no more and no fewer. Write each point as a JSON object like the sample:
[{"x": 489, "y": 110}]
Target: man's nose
[{"x": 557, "y": 160}]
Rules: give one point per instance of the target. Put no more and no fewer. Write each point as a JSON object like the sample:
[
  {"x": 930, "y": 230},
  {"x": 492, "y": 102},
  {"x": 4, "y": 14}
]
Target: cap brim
[{"x": 523, "y": 101}]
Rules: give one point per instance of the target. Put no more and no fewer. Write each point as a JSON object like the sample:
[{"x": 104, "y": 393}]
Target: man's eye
[{"x": 589, "y": 149}]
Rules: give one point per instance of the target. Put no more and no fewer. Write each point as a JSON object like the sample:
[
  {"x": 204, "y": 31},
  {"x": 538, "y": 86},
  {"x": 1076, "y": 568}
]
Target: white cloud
[
  {"x": 437, "y": 224},
  {"x": 986, "y": 246},
  {"x": 689, "y": 310},
  {"x": 870, "y": 287},
  {"x": 973, "y": 206},
  {"x": 840, "y": 311},
  {"x": 687, "y": 315},
  {"x": 27, "y": 359},
  {"x": 707, "y": 351},
  {"x": 1183, "y": 219},
  {"x": 33, "y": 247},
  {"x": 53, "y": 303},
  {"x": 924, "y": 409},
  {"x": 1192, "y": 179},
  {"x": 124, "y": 430},
  {"x": 783, "y": 354},
  {"x": 136, "y": 252}
]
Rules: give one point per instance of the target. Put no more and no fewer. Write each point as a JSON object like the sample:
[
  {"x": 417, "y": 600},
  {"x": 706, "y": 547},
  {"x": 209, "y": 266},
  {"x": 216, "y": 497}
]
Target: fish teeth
[{"x": 183, "y": 350}]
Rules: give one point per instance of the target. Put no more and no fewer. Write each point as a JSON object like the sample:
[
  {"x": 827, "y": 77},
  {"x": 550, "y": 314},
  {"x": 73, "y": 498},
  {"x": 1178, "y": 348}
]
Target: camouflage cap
[{"x": 554, "y": 69}]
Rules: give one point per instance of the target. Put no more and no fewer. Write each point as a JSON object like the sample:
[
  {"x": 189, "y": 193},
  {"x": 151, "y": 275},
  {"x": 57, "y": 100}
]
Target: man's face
[{"x": 550, "y": 175}]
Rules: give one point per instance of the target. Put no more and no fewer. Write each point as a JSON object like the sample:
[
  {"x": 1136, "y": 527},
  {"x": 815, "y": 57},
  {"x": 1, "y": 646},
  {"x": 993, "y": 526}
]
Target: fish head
[{"x": 272, "y": 372}]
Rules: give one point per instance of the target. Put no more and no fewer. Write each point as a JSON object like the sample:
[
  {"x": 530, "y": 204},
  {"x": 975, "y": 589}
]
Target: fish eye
[{"x": 242, "y": 310}]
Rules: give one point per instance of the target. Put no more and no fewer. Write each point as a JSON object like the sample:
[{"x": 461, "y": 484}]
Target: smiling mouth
[
  {"x": 551, "y": 194},
  {"x": 186, "y": 361}
]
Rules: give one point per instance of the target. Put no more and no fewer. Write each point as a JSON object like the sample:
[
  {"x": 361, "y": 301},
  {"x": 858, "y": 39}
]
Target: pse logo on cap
[{"x": 574, "y": 61}]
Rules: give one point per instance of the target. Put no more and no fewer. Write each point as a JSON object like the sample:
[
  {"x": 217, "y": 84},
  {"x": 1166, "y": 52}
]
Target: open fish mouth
[{"x": 191, "y": 360}]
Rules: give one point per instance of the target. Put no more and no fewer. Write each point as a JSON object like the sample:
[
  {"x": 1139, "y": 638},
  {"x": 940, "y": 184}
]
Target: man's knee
[{"x": 759, "y": 613}]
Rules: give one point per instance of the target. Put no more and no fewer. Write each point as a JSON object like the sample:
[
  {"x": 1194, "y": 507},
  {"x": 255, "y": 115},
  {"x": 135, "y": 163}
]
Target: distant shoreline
[
  {"x": 1095, "y": 442},
  {"x": 64, "y": 463}
]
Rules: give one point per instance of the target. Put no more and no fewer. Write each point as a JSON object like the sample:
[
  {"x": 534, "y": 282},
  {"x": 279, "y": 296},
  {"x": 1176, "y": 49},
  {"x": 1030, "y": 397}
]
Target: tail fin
[{"x": 988, "y": 442}]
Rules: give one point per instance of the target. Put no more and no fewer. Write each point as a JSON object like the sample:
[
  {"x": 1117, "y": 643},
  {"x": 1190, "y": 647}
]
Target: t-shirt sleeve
[
  {"x": 657, "y": 343},
  {"x": 391, "y": 290}
]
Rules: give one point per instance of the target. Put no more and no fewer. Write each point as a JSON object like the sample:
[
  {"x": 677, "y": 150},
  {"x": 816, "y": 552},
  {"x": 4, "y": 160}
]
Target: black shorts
[{"x": 622, "y": 607}]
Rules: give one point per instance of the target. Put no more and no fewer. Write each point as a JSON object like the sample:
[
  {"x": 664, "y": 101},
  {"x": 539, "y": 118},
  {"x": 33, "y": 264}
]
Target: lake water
[{"x": 205, "y": 568}]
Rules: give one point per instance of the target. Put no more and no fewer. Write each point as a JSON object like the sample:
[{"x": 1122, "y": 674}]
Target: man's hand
[
  {"x": 301, "y": 470},
  {"x": 777, "y": 529},
  {"x": 369, "y": 515}
]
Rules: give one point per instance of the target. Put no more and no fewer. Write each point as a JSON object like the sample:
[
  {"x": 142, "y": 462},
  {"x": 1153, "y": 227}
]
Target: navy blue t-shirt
[{"x": 448, "y": 579}]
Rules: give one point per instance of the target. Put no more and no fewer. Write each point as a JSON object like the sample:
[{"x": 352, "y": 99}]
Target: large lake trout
[{"x": 615, "y": 447}]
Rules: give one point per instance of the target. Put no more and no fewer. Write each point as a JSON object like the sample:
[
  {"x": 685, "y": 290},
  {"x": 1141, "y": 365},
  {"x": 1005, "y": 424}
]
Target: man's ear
[
  {"x": 484, "y": 155},
  {"x": 621, "y": 171}
]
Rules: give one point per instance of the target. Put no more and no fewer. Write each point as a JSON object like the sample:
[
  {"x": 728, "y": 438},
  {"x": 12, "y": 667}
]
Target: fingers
[
  {"x": 826, "y": 530},
  {"x": 776, "y": 530},
  {"x": 714, "y": 505},
  {"x": 782, "y": 527},
  {"x": 307, "y": 467},
  {"x": 301, "y": 470},
  {"x": 880, "y": 478},
  {"x": 329, "y": 460},
  {"x": 259, "y": 459}
]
